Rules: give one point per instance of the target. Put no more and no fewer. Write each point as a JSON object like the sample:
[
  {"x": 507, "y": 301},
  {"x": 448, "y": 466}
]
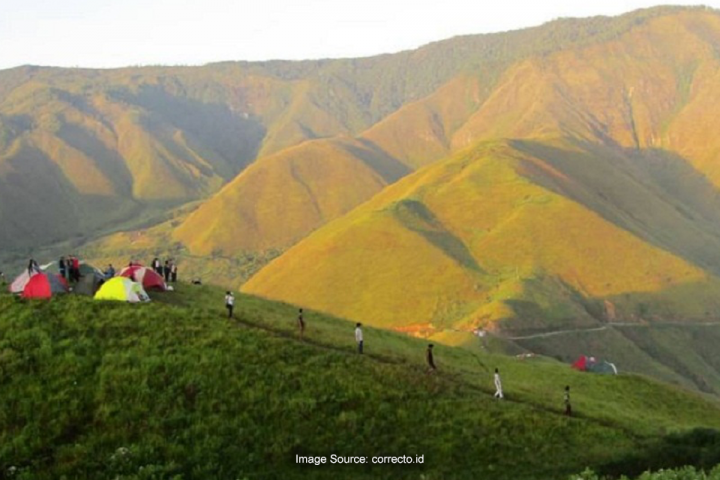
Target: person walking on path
[
  {"x": 359, "y": 337},
  {"x": 498, "y": 385},
  {"x": 430, "y": 359},
  {"x": 568, "y": 407},
  {"x": 229, "y": 303},
  {"x": 301, "y": 322}
]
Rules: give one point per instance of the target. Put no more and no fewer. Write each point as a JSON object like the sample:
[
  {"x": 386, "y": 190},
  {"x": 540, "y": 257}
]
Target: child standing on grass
[
  {"x": 301, "y": 322},
  {"x": 568, "y": 407},
  {"x": 359, "y": 337},
  {"x": 229, "y": 303},
  {"x": 498, "y": 385}
]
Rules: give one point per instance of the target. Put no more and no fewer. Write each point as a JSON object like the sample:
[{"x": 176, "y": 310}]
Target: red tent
[
  {"x": 147, "y": 277},
  {"x": 44, "y": 285},
  {"x": 580, "y": 364}
]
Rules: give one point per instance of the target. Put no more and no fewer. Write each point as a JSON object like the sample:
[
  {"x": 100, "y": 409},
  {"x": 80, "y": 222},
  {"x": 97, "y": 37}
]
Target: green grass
[{"x": 172, "y": 389}]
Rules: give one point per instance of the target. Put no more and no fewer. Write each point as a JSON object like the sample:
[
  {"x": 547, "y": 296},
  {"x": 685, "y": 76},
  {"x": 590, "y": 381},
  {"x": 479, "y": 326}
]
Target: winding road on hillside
[{"x": 611, "y": 325}]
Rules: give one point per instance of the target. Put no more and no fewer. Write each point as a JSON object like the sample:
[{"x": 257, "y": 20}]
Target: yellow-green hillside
[
  {"x": 283, "y": 197},
  {"x": 456, "y": 244},
  {"x": 629, "y": 91}
]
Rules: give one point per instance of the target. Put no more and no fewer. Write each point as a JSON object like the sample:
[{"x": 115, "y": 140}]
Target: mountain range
[{"x": 563, "y": 177}]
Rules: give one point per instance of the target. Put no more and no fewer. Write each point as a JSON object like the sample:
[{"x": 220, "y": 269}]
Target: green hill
[{"x": 172, "y": 389}]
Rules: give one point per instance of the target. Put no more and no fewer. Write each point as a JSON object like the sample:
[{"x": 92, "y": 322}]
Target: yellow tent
[{"x": 122, "y": 289}]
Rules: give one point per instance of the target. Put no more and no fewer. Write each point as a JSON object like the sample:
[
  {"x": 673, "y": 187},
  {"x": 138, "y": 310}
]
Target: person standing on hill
[
  {"x": 33, "y": 267},
  {"x": 430, "y": 359},
  {"x": 156, "y": 266},
  {"x": 76, "y": 268},
  {"x": 498, "y": 385},
  {"x": 166, "y": 271},
  {"x": 63, "y": 267},
  {"x": 110, "y": 272},
  {"x": 359, "y": 337},
  {"x": 568, "y": 407},
  {"x": 301, "y": 322},
  {"x": 229, "y": 303},
  {"x": 173, "y": 272}
]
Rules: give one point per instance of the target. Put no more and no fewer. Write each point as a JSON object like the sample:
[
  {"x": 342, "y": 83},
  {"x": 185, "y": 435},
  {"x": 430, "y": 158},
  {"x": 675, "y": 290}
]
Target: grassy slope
[
  {"x": 680, "y": 354},
  {"x": 283, "y": 197},
  {"x": 603, "y": 91},
  {"x": 460, "y": 241},
  {"x": 190, "y": 394},
  {"x": 478, "y": 241}
]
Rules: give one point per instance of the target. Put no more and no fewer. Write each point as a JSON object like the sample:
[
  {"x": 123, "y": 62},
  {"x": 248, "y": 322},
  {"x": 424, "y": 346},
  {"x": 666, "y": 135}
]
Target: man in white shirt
[
  {"x": 359, "y": 337},
  {"x": 229, "y": 303},
  {"x": 498, "y": 385}
]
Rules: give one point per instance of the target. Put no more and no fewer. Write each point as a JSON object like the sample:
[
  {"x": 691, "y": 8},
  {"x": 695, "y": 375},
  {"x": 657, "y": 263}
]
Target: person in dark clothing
[
  {"x": 229, "y": 303},
  {"x": 568, "y": 407},
  {"x": 173, "y": 272},
  {"x": 75, "y": 269},
  {"x": 301, "y": 322},
  {"x": 166, "y": 271},
  {"x": 110, "y": 272},
  {"x": 33, "y": 267},
  {"x": 430, "y": 359},
  {"x": 63, "y": 267},
  {"x": 69, "y": 268},
  {"x": 156, "y": 266}
]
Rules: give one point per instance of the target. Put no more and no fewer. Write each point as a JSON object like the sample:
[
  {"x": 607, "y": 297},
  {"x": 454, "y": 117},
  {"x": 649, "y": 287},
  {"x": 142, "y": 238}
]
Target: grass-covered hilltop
[{"x": 174, "y": 390}]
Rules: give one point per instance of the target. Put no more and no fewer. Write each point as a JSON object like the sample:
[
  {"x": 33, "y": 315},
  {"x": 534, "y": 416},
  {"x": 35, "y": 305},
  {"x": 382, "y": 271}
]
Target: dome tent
[
  {"x": 122, "y": 289},
  {"x": 590, "y": 364},
  {"x": 90, "y": 277},
  {"x": 18, "y": 285},
  {"x": 44, "y": 285},
  {"x": 148, "y": 277}
]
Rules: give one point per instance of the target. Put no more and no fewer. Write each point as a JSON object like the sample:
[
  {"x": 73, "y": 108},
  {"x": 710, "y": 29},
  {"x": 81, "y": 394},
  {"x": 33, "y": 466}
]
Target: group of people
[
  {"x": 429, "y": 355},
  {"x": 69, "y": 268},
  {"x": 168, "y": 270}
]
